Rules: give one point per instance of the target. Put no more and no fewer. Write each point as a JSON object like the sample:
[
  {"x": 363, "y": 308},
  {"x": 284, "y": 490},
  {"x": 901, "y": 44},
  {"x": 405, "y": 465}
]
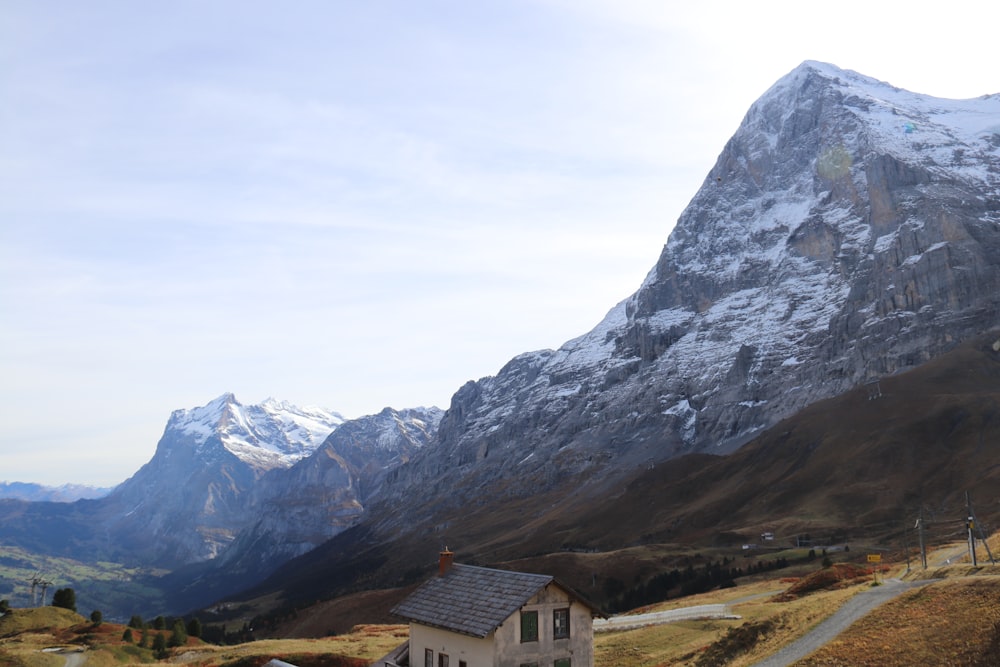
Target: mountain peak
[{"x": 271, "y": 434}]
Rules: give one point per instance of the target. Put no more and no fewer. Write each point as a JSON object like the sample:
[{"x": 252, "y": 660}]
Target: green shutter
[{"x": 529, "y": 626}]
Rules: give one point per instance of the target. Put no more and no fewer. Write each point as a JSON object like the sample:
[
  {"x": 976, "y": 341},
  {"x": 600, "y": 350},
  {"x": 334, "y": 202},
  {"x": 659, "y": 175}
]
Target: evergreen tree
[
  {"x": 65, "y": 598},
  {"x": 159, "y": 623},
  {"x": 159, "y": 646},
  {"x": 178, "y": 634},
  {"x": 127, "y": 635},
  {"x": 194, "y": 627},
  {"x": 135, "y": 622},
  {"x": 96, "y": 617}
]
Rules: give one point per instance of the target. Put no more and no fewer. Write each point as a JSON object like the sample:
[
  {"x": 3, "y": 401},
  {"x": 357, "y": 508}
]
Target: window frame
[
  {"x": 428, "y": 657},
  {"x": 528, "y": 638},
  {"x": 556, "y": 613}
]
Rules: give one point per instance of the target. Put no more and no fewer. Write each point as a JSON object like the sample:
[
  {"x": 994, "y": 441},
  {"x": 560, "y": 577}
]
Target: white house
[{"x": 481, "y": 617}]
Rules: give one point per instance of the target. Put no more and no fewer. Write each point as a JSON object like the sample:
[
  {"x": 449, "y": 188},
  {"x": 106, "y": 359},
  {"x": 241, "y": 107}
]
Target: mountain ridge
[{"x": 811, "y": 260}]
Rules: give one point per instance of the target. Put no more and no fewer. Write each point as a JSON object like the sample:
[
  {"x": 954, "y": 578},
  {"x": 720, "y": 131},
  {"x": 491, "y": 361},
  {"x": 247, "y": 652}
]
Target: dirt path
[
  {"x": 75, "y": 659},
  {"x": 855, "y": 608}
]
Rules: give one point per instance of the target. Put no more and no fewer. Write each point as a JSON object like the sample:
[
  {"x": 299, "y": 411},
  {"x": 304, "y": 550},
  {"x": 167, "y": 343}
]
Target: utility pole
[
  {"x": 920, "y": 533},
  {"x": 970, "y": 525},
  {"x": 906, "y": 546},
  {"x": 982, "y": 535},
  {"x": 45, "y": 586}
]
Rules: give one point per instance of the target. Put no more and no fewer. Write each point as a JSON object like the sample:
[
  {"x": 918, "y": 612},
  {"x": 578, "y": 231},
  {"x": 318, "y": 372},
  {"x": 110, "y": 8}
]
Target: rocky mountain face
[
  {"x": 298, "y": 508},
  {"x": 195, "y": 495},
  {"x": 849, "y": 230}
]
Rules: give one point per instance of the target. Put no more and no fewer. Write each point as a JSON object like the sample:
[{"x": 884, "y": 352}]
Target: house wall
[
  {"x": 579, "y": 646},
  {"x": 475, "y": 652}
]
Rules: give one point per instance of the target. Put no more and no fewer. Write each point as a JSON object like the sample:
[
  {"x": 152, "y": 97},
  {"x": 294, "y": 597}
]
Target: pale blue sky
[{"x": 362, "y": 204}]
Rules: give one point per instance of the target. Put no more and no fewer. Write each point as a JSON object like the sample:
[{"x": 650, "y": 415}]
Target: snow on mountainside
[
  {"x": 297, "y": 509},
  {"x": 741, "y": 229},
  {"x": 272, "y": 434},
  {"x": 848, "y": 230}
]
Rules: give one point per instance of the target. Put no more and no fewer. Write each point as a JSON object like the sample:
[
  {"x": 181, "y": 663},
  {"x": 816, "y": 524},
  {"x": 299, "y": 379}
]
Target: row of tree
[
  {"x": 681, "y": 583},
  {"x": 158, "y": 641}
]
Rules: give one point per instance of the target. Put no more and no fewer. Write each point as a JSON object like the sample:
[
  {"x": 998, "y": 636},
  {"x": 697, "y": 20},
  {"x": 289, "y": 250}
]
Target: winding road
[{"x": 853, "y": 610}]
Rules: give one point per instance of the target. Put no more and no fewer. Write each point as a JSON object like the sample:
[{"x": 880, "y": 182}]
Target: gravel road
[
  {"x": 855, "y": 608},
  {"x": 75, "y": 659}
]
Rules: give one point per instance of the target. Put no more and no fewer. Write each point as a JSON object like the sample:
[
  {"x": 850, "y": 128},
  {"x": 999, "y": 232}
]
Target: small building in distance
[{"x": 471, "y": 616}]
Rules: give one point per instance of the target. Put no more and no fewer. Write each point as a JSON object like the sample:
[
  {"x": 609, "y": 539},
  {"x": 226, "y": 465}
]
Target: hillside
[
  {"x": 941, "y": 616},
  {"x": 846, "y": 470}
]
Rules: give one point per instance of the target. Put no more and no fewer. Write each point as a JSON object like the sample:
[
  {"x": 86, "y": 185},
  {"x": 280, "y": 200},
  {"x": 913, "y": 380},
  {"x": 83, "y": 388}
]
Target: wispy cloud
[{"x": 358, "y": 204}]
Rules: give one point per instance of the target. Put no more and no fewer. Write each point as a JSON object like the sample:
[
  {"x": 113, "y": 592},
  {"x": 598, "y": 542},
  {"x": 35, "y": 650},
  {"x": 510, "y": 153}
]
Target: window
[
  {"x": 560, "y": 623},
  {"x": 561, "y": 662},
  {"x": 463, "y": 663},
  {"x": 442, "y": 660},
  {"x": 428, "y": 658},
  {"x": 529, "y": 626}
]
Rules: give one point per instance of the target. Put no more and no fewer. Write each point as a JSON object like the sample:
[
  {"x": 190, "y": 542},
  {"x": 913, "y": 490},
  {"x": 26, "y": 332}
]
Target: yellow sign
[{"x": 874, "y": 558}]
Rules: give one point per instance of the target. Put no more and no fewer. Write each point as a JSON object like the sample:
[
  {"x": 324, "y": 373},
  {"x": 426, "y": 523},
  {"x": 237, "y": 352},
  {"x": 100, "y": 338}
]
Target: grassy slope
[{"x": 948, "y": 622}]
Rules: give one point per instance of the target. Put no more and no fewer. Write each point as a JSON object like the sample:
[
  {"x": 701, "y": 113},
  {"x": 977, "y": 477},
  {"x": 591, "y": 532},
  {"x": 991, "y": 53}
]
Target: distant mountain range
[
  {"x": 849, "y": 232},
  {"x": 65, "y": 493}
]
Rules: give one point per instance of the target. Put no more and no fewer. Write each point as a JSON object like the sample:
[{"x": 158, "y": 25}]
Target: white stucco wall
[
  {"x": 475, "y": 652},
  {"x": 579, "y": 646}
]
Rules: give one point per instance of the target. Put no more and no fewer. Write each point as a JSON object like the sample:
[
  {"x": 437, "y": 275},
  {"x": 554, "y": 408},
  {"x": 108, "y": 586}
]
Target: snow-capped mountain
[
  {"x": 848, "y": 230},
  {"x": 194, "y": 496},
  {"x": 270, "y": 435}
]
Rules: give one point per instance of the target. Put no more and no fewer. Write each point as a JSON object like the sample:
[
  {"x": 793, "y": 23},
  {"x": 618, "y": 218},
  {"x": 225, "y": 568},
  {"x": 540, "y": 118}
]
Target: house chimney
[{"x": 444, "y": 564}]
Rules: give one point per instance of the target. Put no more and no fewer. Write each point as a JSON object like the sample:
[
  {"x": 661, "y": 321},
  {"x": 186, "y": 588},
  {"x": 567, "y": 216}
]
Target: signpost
[{"x": 876, "y": 561}]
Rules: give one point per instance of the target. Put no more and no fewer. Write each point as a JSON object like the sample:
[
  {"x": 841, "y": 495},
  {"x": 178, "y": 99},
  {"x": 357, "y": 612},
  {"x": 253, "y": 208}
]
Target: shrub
[{"x": 65, "y": 598}]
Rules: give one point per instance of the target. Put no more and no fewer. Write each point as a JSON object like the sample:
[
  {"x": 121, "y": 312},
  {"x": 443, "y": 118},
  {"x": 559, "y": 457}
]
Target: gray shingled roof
[{"x": 471, "y": 600}]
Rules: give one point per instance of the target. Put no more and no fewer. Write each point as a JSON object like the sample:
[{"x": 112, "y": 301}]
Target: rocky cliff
[
  {"x": 298, "y": 508},
  {"x": 848, "y": 230}
]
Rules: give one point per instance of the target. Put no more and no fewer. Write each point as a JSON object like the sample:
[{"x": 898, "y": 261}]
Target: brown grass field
[{"x": 951, "y": 621}]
